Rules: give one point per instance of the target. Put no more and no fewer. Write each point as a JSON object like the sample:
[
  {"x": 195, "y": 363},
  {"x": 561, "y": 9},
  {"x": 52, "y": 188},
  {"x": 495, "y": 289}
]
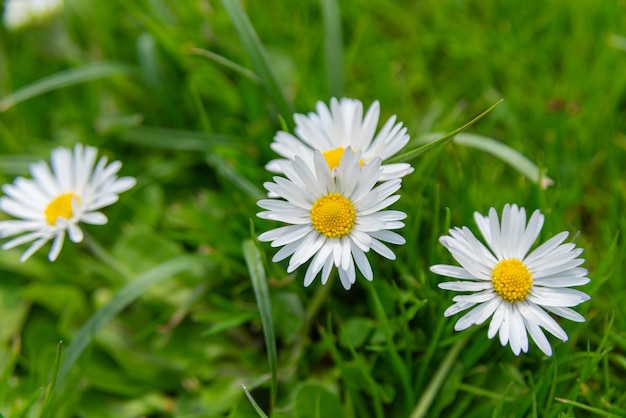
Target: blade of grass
[
  {"x": 124, "y": 297},
  {"x": 45, "y": 412},
  {"x": 256, "y": 406},
  {"x": 62, "y": 79},
  {"x": 258, "y": 56},
  {"x": 226, "y": 63},
  {"x": 254, "y": 261},
  {"x": 394, "y": 357},
  {"x": 176, "y": 139},
  {"x": 506, "y": 154},
  {"x": 409, "y": 155},
  {"x": 597, "y": 411},
  {"x": 229, "y": 173},
  {"x": 433, "y": 387},
  {"x": 333, "y": 45}
]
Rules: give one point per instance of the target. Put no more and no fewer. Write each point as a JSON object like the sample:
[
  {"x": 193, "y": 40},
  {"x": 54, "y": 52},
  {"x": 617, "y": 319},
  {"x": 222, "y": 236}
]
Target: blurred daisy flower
[
  {"x": 56, "y": 200},
  {"x": 334, "y": 218},
  {"x": 20, "y": 13},
  {"x": 510, "y": 285},
  {"x": 332, "y": 130}
]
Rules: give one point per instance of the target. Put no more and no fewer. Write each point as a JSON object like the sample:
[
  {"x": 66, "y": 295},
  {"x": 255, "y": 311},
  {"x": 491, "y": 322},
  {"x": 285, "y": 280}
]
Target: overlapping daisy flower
[
  {"x": 517, "y": 289},
  {"x": 332, "y": 130},
  {"x": 334, "y": 216},
  {"x": 55, "y": 200}
]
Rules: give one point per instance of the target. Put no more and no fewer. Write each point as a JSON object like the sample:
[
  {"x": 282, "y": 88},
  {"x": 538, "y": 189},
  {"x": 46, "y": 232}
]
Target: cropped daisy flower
[
  {"x": 334, "y": 219},
  {"x": 20, "y": 13},
  {"x": 56, "y": 200},
  {"x": 332, "y": 130},
  {"x": 516, "y": 289}
]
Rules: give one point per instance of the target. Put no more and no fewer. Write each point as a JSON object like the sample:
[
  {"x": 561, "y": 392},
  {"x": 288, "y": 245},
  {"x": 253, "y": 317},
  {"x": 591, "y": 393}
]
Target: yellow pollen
[
  {"x": 333, "y": 157},
  {"x": 61, "y": 206},
  {"x": 333, "y": 215},
  {"x": 511, "y": 280}
]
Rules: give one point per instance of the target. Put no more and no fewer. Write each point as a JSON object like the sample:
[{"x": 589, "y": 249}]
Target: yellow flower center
[
  {"x": 333, "y": 215},
  {"x": 61, "y": 206},
  {"x": 511, "y": 280},
  {"x": 333, "y": 157}
]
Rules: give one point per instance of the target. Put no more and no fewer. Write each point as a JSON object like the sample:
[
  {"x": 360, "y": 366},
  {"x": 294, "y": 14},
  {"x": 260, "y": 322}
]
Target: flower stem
[{"x": 433, "y": 387}]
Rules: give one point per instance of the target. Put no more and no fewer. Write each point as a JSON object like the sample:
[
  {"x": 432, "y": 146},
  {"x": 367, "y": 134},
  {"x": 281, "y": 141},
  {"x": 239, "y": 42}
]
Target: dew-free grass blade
[
  {"x": 258, "y": 57},
  {"x": 254, "y": 261},
  {"x": 175, "y": 139},
  {"x": 432, "y": 143},
  {"x": 226, "y": 63},
  {"x": 45, "y": 411},
  {"x": 506, "y": 154},
  {"x": 229, "y": 173},
  {"x": 62, "y": 79},
  {"x": 333, "y": 45},
  {"x": 255, "y": 405},
  {"x": 124, "y": 297}
]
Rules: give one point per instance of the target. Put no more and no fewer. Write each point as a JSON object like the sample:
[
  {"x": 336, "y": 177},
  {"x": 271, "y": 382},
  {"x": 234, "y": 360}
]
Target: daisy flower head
[
  {"x": 57, "y": 198},
  {"x": 332, "y": 129},
  {"x": 516, "y": 287},
  {"x": 334, "y": 218}
]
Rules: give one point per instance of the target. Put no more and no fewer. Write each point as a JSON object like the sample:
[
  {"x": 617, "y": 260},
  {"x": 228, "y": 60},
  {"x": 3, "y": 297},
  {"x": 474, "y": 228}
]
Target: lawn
[{"x": 174, "y": 307}]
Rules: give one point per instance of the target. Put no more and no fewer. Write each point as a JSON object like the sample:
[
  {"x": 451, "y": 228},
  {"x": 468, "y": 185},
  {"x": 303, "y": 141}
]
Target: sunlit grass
[{"x": 194, "y": 128}]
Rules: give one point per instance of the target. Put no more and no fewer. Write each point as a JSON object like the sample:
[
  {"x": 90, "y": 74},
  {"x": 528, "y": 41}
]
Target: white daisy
[
  {"x": 335, "y": 217},
  {"x": 19, "y": 13},
  {"x": 54, "y": 202},
  {"x": 510, "y": 285},
  {"x": 332, "y": 130}
]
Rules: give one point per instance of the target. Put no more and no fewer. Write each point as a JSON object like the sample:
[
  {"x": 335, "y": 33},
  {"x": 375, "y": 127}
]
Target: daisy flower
[
  {"x": 515, "y": 288},
  {"x": 56, "y": 200},
  {"x": 332, "y": 130},
  {"x": 335, "y": 218},
  {"x": 20, "y": 13}
]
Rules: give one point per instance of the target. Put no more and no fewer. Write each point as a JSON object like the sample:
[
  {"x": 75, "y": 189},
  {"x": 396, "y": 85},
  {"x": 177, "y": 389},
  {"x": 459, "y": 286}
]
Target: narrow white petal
[
  {"x": 465, "y": 286},
  {"x": 57, "y": 244},
  {"x": 566, "y": 313},
  {"x": 94, "y": 218},
  {"x": 34, "y": 247},
  {"x": 557, "y": 297},
  {"x": 451, "y": 271}
]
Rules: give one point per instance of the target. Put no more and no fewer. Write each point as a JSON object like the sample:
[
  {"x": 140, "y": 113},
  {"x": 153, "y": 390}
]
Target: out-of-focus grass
[{"x": 195, "y": 133}]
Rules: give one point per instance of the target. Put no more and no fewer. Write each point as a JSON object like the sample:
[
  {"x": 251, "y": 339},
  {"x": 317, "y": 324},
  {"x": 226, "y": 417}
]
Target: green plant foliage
[{"x": 174, "y": 309}]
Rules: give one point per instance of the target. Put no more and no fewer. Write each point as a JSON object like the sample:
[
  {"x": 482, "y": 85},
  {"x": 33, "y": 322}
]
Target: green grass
[{"x": 194, "y": 128}]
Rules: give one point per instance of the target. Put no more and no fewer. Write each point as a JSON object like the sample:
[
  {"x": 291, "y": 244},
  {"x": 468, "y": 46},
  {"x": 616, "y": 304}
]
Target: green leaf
[
  {"x": 226, "y": 63},
  {"x": 258, "y": 56},
  {"x": 254, "y": 262},
  {"x": 431, "y": 143},
  {"x": 315, "y": 401},
  {"x": 124, "y": 297},
  {"x": 333, "y": 45},
  {"x": 256, "y": 406},
  {"x": 506, "y": 154},
  {"x": 63, "y": 79}
]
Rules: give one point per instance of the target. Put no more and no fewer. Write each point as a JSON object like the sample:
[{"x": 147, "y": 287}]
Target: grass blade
[
  {"x": 255, "y": 405},
  {"x": 226, "y": 63},
  {"x": 45, "y": 412},
  {"x": 254, "y": 262},
  {"x": 333, "y": 45},
  {"x": 175, "y": 139},
  {"x": 394, "y": 357},
  {"x": 63, "y": 79},
  {"x": 124, "y": 297},
  {"x": 506, "y": 154},
  {"x": 229, "y": 173},
  {"x": 258, "y": 57},
  {"x": 407, "y": 156}
]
